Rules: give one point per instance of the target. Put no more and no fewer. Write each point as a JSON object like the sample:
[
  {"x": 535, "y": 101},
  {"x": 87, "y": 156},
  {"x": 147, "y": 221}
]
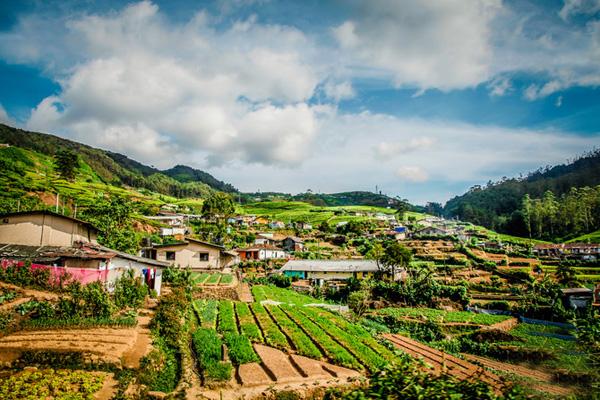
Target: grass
[
  {"x": 444, "y": 316},
  {"x": 568, "y": 355},
  {"x": 297, "y": 211},
  {"x": 593, "y": 237},
  {"x": 287, "y": 296}
]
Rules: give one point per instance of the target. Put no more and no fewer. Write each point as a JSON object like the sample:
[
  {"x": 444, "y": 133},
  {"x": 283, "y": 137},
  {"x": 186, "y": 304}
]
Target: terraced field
[
  {"x": 213, "y": 279},
  {"x": 444, "y": 316},
  {"x": 310, "y": 332}
]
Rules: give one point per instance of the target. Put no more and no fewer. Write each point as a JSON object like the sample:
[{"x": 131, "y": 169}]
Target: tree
[
  {"x": 358, "y": 302},
  {"x": 218, "y": 205},
  {"x": 65, "y": 162},
  {"x": 395, "y": 256},
  {"x": 565, "y": 274}
]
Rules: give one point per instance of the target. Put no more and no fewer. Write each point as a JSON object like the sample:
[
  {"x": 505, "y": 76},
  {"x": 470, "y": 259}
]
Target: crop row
[
  {"x": 301, "y": 342},
  {"x": 240, "y": 349},
  {"x": 287, "y": 296},
  {"x": 206, "y": 312},
  {"x": 272, "y": 335},
  {"x": 227, "y": 322},
  {"x": 247, "y": 324},
  {"x": 209, "y": 352},
  {"x": 444, "y": 316},
  {"x": 355, "y": 330},
  {"x": 216, "y": 278},
  {"x": 364, "y": 353},
  {"x": 331, "y": 348}
]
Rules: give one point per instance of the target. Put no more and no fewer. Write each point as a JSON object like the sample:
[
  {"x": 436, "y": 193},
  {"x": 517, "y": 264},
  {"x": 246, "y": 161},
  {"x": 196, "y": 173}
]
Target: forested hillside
[
  {"x": 554, "y": 202},
  {"x": 114, "y": 168}
]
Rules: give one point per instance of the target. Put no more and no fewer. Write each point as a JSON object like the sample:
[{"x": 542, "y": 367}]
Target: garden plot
[
  {"x": 442, "y": 316},
  {"x": 97, "y": 345},
  {"x": 213, "y": 279},
  {"x": 443, "y": 362}
]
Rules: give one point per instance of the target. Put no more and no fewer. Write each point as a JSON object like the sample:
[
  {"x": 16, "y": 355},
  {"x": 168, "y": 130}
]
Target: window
[
  {"x": 203, "y": 256},
  {"x": 171, "y": 255}
]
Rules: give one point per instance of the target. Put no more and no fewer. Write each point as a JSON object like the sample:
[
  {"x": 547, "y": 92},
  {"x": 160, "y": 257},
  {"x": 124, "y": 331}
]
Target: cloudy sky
[{"x": 421, "y": 98}]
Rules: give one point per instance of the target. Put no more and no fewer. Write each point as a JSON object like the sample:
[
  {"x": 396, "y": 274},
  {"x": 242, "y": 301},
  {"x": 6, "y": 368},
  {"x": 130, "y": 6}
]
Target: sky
[{"x": 421, "y": 99}]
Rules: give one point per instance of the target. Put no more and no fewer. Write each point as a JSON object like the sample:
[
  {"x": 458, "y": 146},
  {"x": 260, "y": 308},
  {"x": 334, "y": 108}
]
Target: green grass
[
  {"x": 208, "y": 348},
  {"x": 240, "y": 349},
  {"x": 287, "y": 296},
  {"x": 568, "y": 355},
  {"x": 297, "y": 211},
  {"x": 593, "y": 237},
  {"x": 444, "y": 316}
]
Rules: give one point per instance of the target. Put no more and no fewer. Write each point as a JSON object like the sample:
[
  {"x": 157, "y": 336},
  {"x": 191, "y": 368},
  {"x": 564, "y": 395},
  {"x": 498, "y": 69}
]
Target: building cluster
[{"x": 575, "y": 251}]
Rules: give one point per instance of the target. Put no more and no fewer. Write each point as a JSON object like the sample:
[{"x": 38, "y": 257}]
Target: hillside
[
  {"x": 355, "y": 198},
  {"x": 117, "y": 169},
  {"x": 497, "y": 205}
]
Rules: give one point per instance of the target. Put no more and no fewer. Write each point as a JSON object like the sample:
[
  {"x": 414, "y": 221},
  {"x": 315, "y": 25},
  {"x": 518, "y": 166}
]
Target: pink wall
[{"x": 83, "y": 275}]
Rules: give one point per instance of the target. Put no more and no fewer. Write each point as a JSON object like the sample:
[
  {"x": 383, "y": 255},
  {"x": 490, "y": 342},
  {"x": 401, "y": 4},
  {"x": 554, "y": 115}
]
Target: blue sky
[{"x": 423, "y": 99}]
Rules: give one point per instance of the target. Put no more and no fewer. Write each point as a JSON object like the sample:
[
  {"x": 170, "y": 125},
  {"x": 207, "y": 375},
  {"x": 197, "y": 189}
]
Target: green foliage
[
  {"x": 227, "y": 321},
  {"x": 208, "y": 348},
  {"x": 248, "y": 326},
  {"x": 167, "y": 320},
  {"x": 407, "y": 380},
  {"x": 218, "y": 204},
  {"x": 179, "y": 277},
  {"x": 159, "y": 370},
  {"x": 302, "y": 343},
  {"x": 442, "y": 316},
  {"x": 272, "y": 334},
  {"x": 359, "y": 302},
  {"x": 113, "y": 217},
  {"x": 25, "y": 276},
  {"x": 129, "y": 291},
  {"x": 206, "y": 312},
  {"x": 66, "y": 162},
  {"x": 394, "y": 257},
  {"x": 57, "y": 384},
  {"x": 240, "y": 349}
]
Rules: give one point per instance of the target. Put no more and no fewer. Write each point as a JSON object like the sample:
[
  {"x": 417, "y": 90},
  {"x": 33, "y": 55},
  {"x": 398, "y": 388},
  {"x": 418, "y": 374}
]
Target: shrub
[
  {"x": 159, "y": 370},
  {"x": 167, "y": 321},
  {"x": 129, "y": 291},
  {"x": 208, "y": 348}
]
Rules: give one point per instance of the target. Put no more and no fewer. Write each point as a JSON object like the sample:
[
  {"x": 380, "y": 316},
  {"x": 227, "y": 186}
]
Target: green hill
[
  {"x": 498, "y": 205},
  {"x": 116, "y": 169}
]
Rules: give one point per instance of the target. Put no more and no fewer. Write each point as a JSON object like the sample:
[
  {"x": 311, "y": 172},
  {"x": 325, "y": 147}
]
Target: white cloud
[
  {"x": 4, "y": 117},
  {"x": 235, "y": 94},
  {"x": 574, "y": 7},
  {"x": 500, "y": 86},
  {"x": 398, "y": 149},
  {"x": 412, "y": 174},
  {"x": 339, "y": 91},
  {"x": 425, "y": 44}
]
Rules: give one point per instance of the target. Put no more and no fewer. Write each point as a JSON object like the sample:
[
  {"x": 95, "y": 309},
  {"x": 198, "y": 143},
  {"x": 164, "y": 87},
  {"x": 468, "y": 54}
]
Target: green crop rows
[
  {"x": 301, "y": 342},
  {"x": 227, "y": 321},
  {"x": 248, "y": 326},
  {"x": 332, "y": 349},
  {"x": 272, "y": 334},
  {"x": 206, "y": 311},
  {"x": 208, "y": 347},
  {"x": 444, "y": 316},
  {"x": 240, "y": 349}
]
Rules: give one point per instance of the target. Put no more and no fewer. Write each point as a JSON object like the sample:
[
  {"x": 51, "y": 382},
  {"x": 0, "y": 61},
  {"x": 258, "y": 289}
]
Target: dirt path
[
  {"x": 244, "y": 293},
  {"x": 443, "y": 362},
  {"x": 36, "y": 294},
  {"x": 108, "y": 388},
  {"x": 545, "y": 379},
  {"x": 143, "y": 343}
]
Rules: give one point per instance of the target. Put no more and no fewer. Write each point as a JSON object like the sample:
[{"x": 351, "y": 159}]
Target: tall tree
[
  {"x": 66, "y": 162},
  {"x": 218, "y": 205},
  {"x": 395, "y": 257}
]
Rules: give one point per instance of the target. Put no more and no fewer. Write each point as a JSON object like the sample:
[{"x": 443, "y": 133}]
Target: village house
[
  {"x": 261, "y": 252},
  {"x": 263, "y": 239},
  {"x": 304, "y": 226},
  {"x": 192, "y": 253},
  {"x": 432, "y": 231},
  {"x": 293, "y": 243},
  {"x": 67, "y": 245},
  {"x": 277, "y": 225},
  {"x": 581, "y": 251},
  {"x": 321, "y": 271}
]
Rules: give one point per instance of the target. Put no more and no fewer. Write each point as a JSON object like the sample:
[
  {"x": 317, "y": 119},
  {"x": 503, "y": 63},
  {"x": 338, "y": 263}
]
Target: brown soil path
[
  {"x": 443, "y": 362},
  {"x": 36, "y": 294},
  {"x": 143, "y": 343},
  {"x": 244, "y": 293},
  {"x": 505, "y": 325},
  {"x": 545, "y": 379}
]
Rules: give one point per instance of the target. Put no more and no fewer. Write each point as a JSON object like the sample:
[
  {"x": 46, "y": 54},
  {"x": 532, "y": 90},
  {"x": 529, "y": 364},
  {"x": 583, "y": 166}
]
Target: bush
[
  {"x": 129, "y": 291},
  {"x": 159, "y": 370},
  {"x": 167, "y": 321}
]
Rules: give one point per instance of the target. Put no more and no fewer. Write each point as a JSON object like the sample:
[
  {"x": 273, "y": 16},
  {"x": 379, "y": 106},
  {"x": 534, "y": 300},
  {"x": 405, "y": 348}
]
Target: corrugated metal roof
[{"x": 331, "y": 266}]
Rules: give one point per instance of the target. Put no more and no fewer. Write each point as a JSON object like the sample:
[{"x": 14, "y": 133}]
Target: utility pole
[{"x": 56, "y": 208}]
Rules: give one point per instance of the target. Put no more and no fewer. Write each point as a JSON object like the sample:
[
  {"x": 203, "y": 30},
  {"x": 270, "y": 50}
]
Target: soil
[
  {"x": 244, "y": 293},
  {"x": 505, "y": 325},
  {"x": 108, "y": 389},
  {"x": 545, "y": 379},
  {"x": 443, "y": 362},
  {"x": 142, "y": 345}
]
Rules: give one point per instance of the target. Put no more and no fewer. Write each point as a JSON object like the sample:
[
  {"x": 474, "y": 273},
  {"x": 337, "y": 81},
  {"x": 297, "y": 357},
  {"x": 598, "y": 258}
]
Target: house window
[
  {"x": 203, "y": 256},
  {"x": 170, "y": 255}
]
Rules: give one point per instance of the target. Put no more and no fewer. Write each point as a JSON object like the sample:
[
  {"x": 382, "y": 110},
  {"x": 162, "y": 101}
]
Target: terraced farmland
[
  {"x": 213, "y": 279},
  {"x": 306, "y": 331}
]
